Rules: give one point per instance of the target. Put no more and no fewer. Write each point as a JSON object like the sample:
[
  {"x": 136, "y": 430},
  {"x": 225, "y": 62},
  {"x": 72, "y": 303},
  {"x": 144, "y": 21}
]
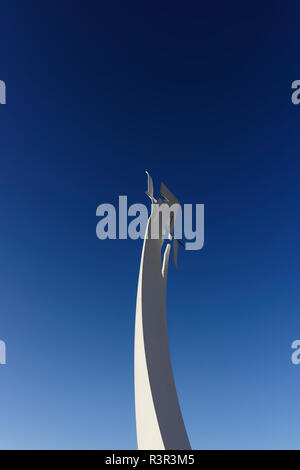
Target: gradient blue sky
[{"x": 199, "y": 95}]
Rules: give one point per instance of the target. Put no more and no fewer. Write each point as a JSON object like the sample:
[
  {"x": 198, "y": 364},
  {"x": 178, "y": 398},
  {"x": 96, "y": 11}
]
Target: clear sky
[{"x": 197, "y": 93}]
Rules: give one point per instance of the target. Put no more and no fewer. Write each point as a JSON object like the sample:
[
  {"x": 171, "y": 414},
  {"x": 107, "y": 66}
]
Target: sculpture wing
[{"x": 150, "y": 189}]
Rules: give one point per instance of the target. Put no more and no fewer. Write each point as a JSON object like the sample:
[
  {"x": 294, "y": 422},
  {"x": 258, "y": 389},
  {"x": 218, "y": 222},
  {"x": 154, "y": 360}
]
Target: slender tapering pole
[{"x": 159, "y": 420}]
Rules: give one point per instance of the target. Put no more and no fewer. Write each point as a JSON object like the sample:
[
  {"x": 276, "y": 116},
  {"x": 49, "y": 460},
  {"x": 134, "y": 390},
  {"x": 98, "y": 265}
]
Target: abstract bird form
[{"x": 159, "y": 420}]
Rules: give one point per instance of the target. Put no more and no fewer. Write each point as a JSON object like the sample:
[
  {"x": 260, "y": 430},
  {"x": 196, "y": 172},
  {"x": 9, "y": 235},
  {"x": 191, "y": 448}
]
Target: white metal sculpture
[{"x": 159, "y": 420}]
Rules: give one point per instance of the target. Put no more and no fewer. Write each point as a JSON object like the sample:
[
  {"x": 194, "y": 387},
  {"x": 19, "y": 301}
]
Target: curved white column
[{"x": 159, "y": 421}]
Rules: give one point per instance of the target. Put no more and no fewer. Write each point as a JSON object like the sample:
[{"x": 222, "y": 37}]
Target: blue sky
[{"x": 199, "y": 95}]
